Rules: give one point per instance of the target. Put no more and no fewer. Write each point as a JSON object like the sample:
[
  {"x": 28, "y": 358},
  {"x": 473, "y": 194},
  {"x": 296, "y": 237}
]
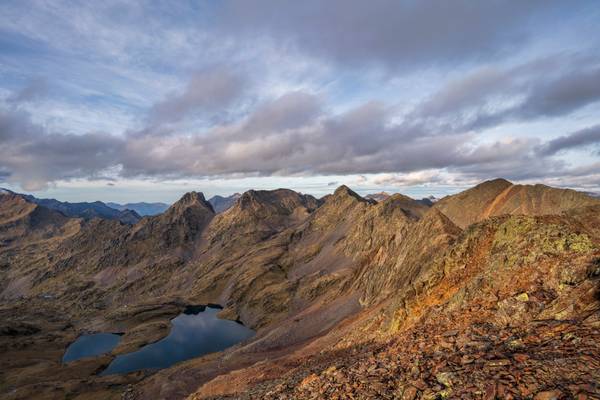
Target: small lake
[
  {"x": 195, "y": 332},
  {"x": 91, "y": 345}
]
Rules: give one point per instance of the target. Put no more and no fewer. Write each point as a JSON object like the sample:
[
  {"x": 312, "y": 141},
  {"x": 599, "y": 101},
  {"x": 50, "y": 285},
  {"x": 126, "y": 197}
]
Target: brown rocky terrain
[
  {"x": 499, "y": 196},
  {"x": 489, "y": 293}
]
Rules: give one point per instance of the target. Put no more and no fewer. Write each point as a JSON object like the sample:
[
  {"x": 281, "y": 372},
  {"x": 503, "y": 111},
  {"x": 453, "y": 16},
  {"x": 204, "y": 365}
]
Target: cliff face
[
  {"x": 28, "y": 233},
  {"x": 422, "y": 242}
]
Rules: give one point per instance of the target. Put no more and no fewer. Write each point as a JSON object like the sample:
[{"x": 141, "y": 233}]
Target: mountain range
[
  {"x": 219, "y": 203},
  {"x": 489, "y": 293},
  {"x": 382, "y": 196},
  {"x": 85, "y": 210},
  {"x": 142, "y": 208},
  {"x": 223, "y": 203},
  {"x": 128, "y": 213}
]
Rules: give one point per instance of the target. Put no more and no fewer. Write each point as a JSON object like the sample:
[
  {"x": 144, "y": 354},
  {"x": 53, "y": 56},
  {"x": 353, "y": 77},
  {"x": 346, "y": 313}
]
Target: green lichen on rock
[
  {"x": 527, "y": 234},
  {"x": 579, "y": 243},
  {"x": 445, "y": 378},
  {"x": 513, "y": 230},
  {"x": 523, "y": 297}
]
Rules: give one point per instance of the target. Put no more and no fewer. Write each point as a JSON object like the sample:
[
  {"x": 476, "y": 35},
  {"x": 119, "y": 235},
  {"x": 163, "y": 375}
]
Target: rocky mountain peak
[
  {"x": 497, "y": 181},
  {"x": 499, "y": 196},
  {"x": 248, "y": 197},
  {"x": 283, "y": 199},
  {"x": 378, "y": 197},
  {"x": 192, "y": 199},
  {"x": 344, "y": 191}
]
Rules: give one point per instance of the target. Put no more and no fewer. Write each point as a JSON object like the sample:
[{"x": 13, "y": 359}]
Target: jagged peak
[
  {"x": 254, "y": 195},
  {"x": 344, "y": 191},
  {"x": 378, "y": 197},
  {"x": 400, "y": 196},
  {"x": 192, "y": 198},
  {"x": 275, "y": 197},
  {"x": 496, "y": 182}
]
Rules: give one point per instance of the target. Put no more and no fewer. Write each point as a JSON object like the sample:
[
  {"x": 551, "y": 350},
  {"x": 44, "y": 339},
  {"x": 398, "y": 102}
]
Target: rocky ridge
[
  {"x": 83, "y": 210},
  {"x": 318, "y": 279},
  {"x": 500, "y": 196}
]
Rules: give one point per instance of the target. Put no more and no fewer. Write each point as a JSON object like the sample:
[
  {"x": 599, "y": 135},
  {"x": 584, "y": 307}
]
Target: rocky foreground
[
  {"x": 548, "y": 360},
  {"x": 491, "y": 293}
]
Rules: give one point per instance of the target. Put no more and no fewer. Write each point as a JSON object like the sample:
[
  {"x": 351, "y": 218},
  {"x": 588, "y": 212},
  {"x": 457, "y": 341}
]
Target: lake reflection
[
  {"x": 195, "y": 332},
  {"x": 91, "y": 345}
]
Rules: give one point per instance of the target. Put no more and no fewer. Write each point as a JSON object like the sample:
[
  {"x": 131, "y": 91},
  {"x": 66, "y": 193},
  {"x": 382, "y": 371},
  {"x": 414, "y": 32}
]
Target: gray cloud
[
  {"x": 209, "y": 91},
  {"x": 295, "y": 134},
  {"x": 466, "y": 92},
  {"x": 287, "y": 136},
  {"x": 360, "y": 140},
  {"x": 582, "y": 138},
  {"x": 489, "y": 96},
  {"x": 33, "y": 157},
  {"x": 563, "y": 95},
  {"x": 225, "y": 120},
  {"x": 290, "y": 111},
  {"x": 387, "y": 32},
  {"x": 35, "y": 89}
]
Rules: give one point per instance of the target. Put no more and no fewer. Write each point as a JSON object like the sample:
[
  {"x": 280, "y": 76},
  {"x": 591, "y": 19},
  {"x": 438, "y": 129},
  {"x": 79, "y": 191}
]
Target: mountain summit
[{"x": 499, "y": 196}]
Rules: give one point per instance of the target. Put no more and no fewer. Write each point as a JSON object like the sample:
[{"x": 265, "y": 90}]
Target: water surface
[
  {"x": 195, "y": 332},
  {"x": 91, "y": 345}
]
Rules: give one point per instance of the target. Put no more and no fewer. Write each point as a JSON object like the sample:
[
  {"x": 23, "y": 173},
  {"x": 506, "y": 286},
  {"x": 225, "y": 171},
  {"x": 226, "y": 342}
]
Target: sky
[{"x": 146, "y": 100}]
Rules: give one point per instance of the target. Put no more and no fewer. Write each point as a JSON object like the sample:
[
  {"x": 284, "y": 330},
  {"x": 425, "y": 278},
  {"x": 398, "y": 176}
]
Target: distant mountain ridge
[
  {"x": 142, "y": 208},
  {"x": 221, "y": 203},
  {"x": 378, "y": 197},
  {"x": 85, "y": 210},
  {"x": 382, "y": 196}
]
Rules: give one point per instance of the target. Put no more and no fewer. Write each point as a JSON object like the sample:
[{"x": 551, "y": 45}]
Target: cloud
[
  {"x": 33, "y": 157},
  {"x": 35, "y": 89},
  {"x": 291, "y": 110},
  {"x": 262, "y": 88},
  {"x": 466, "y": 92},
  {"x": 563, "y": 95},
  {"x": 546, "y": 87},
  {"x": 410, "y": 179},
  {"x": 291, "y": 135},
  {"x": 386, "y": 32},
  {"x": 582, "y": 138},
  {"x": 209, "y": 91}
]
